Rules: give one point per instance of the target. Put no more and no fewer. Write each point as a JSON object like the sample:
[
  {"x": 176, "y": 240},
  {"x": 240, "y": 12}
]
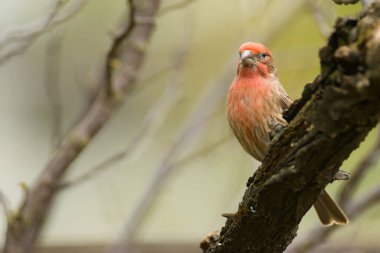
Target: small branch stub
[
  {"x": 341, "y": 175},
  {"x": 210, "y": 240}
]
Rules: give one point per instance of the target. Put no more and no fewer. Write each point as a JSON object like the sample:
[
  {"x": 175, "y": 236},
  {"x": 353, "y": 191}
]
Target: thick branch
[
  {"x": 333, "y": 116},
  {"x": 128, "y": 51}
]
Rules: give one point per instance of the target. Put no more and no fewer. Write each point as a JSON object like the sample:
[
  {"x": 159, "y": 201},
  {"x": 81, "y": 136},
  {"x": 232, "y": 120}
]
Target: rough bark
[
  {"x": 122, "y": 64},
  {"x": 330, "y": 120}
]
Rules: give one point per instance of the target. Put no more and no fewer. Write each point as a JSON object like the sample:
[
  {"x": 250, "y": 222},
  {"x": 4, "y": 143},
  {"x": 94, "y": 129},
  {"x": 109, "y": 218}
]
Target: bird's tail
[{"x": 328, "y": 211}]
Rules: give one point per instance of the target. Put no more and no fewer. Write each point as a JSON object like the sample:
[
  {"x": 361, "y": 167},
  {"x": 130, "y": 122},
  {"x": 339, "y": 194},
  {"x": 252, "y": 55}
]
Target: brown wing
[
  {"x": 283, "y": 97},
  {"x": 285, "y": 102}
]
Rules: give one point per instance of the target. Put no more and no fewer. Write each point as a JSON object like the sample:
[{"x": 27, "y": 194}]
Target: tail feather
[{"x": 328, "y": 211}]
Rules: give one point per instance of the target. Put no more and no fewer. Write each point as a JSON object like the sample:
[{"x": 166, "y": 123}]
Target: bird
[{"x": 256, "y": 101}]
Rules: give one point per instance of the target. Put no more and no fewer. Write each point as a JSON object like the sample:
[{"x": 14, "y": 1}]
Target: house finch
[{"x": 255, "y": 103}]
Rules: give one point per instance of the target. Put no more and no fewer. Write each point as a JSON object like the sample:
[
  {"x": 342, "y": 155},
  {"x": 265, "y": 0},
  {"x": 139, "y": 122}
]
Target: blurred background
[{"x": 179, "y": 167}]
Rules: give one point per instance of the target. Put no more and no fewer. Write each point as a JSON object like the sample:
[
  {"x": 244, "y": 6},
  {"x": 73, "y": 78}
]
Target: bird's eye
[{"x": 263, "y": 56}]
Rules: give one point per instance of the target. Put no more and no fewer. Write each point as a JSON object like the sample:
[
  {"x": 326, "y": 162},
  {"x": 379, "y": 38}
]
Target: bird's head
[{"x": 255, "y": 58}]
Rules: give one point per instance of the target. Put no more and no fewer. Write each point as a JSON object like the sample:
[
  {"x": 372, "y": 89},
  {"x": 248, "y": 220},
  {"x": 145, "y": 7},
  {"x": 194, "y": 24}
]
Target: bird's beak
[{"x": 247, "y": 58}]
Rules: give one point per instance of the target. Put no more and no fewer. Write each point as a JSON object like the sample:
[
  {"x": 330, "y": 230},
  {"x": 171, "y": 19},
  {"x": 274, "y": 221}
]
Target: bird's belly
[{"x": 250, "y": 128}]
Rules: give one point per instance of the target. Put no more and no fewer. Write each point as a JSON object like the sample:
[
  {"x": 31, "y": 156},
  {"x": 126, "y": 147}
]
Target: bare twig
[
  {"x": 314, "y": 238},
  {"x": 53, "y": 55},
  {"x": 369, "y": 160},
  {"x": 157, "y": 113},
  {"x": 107, "y": 163},
  {"x": 176, "y": 6},
  {"x": 319, "y": 15},
  {"x": 366, "y": 200},
  {"x": 366, "y": 3},
  {"x": 127, "y": 48},
  {"x": 150, "y": 77},
  {"x": 201, "y": 152},
  {"x": 274, "y": 11},
  {"x": 4, "y": 202},
  {"x": 17, "y": 40},
  {"x": 158, "y": 179},
  {"x": 162, "y": 170},
  {"x": 320, "y": 234}
]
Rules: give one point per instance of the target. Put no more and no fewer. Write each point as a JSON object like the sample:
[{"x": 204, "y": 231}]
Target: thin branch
[
  {"x": 201, "y": 152},
  {"x": 150, "y": 77},
  {"x": 107, "y": 163},
  {"x": 18, "y": 39},
  {"x": 30, "y": 29},
  {"x": 164, "y": 168},
  {"x": 154, "y": 119},
  {"x": 366, "y": 201},
  {"x": 23, "y": 232},
  {"x": 156, "y": 115},
  {"x": 366, "y": 3},
  {"x": 4, "y": 203},
  {"x": 273, "y": 11},
  {"x": 175, "y": 6},
  {"x": 53, "y": 54},
  {"x": 368, "y": 162},
  {"x": 320, "y": 17},
  {"x": 320, "y": 234}
]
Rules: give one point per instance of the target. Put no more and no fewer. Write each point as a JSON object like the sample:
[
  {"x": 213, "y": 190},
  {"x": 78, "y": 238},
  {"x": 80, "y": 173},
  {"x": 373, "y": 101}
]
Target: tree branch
[
  {"x": 319, "y": 234},
  {"x": 366, "y": 3},
  {"x": 345, "y": 199},
  {"x": 4, "y": 203},
  {"x": 331, "y": 119},
  {"x": 320, "y": 16},
  {"x": 368, "y": 200},
  {"x": 128, "y": 50},
  {"x": 176, "y": 6},
  {"x": 17, "y": 40},
  {"x": 53, "y": 60},
  {"x": 156, "y": 115},
  {"x": 365, "y": 164},
  {"x": 153, "y": 120}
]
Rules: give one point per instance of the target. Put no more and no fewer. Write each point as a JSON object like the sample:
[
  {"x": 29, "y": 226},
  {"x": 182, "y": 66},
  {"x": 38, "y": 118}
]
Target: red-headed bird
[{"x": 255, "y": 103}]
